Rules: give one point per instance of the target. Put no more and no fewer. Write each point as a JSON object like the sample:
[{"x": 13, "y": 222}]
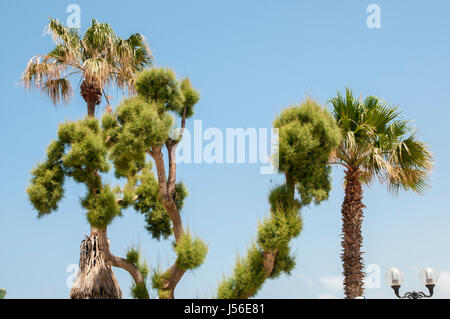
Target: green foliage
[
  {"x": 307, "y": 136},
  {"x": 2, "y": 293},
  {"x": 101, "y": 207},
  {"x": 138, "y": 290},
  {"x": 146, "y": 191},
  {"x": 158, "y": 222},
  {"x": 133, "y": 255},
  {"x": 139, "y": 126},
  {"x": 191, "y": 252},
  {"x": 181, "y": 192},
  {"x": 158, "y": 281},
  {"x": 140, "y": 123},
  {"x": 284, "y": 263},
  {"x": 160, "y": 86},
  {"x": 80, "y": 153},
  {"x": 280, "y": 198},
  {"x": 159, "y": 278},
  {"x": 46, "y": 189},
  {"x": 274, "y": 235},
  {"x": 191, "y": 97},
  {"x": 86, "y": 152},
  {"x": 276, "y": 232},
  {"x": 248, "y": 276}
]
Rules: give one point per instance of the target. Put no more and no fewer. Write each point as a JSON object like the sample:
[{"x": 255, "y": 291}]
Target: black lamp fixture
[{"x": 429, "y": 277}]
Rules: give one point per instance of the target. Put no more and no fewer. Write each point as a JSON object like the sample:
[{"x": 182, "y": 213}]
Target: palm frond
[
  {"x": 39, "y": 70},
  {"x": 66, "y": 56},
  {"x": 97, "y": 70},
  {"x": 58, "y": 90},
  {"x": 380, "y": 144},
  {"x": 99, "y": 40},
  {"x": 101, "y": 57},
  {"x": 63, "y": 34}
]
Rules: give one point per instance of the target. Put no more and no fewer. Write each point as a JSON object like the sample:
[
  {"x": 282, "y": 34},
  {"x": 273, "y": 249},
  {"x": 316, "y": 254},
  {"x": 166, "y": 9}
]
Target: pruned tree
[
  {"x": 307, "y": 136},
  {"x": 100, "y": 58},
  {"x": 80, "y": 152},
  {"x": 142, "y": 128}
]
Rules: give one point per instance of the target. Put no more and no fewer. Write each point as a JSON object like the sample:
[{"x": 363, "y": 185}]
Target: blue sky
[{"x": 249, "y": 60}]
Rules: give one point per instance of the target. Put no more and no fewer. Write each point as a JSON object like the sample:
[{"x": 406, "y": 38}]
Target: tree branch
[
  {"x": 171, "y": 147},
  {"x": 167, "y": 189},
  {"x": 175, "y": 276},
  {"x": 269, "y": 261},
  {"x": 128, "y": 266},
  {"x": 183, "y": 125},
  {"x": 160, "y": 170}
]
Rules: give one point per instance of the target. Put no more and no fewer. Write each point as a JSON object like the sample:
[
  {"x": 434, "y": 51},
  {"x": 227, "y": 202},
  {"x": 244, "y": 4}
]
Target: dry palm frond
[
  {"x": 59, "y": 90},
  {"x": 100, "y": 57}
]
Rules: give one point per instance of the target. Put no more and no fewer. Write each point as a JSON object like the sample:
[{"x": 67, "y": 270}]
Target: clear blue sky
[{"x": 249, "y": 60}]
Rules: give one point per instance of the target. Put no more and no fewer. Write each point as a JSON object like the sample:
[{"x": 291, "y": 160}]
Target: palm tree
[
  {"x": 376, "y": 144},
  {"x": 100, "y": 57}
]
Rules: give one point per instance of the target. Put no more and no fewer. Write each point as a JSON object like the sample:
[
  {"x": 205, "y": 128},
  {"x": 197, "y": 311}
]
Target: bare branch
[{"x": 128, "y": 266}]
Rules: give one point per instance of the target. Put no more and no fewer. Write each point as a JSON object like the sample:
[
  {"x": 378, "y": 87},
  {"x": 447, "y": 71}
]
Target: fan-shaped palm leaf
[{"x": 376, "y": 144}]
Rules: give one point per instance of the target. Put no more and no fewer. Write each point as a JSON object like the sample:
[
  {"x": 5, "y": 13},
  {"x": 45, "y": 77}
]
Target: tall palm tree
[
  {"x": 100, "y": 57},
  {"x": 376, "y": 144}
]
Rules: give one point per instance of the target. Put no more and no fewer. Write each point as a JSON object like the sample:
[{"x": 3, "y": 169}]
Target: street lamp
[{"x": 429, "y": 277}]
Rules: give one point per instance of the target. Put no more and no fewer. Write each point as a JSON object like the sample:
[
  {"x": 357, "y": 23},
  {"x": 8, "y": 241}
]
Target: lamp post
[{"x": 429, "y": 277}]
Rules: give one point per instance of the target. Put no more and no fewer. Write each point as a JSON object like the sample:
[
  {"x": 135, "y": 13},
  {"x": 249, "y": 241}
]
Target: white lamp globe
[
  {"x": 394, "y": 277},
  {"x": 428, "y": 276}
]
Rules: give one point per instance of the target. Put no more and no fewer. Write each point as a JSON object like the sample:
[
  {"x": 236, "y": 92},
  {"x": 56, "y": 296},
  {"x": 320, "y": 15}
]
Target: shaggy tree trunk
[
  {"x": 352, "y": 217},
  {"x": 95, "y": 278},
  {"x": 92, "y": 94}
]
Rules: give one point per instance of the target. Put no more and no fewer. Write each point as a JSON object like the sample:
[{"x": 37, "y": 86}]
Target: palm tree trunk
[
  {"x": 95, "y": 278},
  {"x": 91, "y": 109},
  {"x": 92, "y": 94},
  {"x": 352, "y": 218}
]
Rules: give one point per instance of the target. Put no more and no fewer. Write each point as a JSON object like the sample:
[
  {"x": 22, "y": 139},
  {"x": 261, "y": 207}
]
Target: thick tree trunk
[
  {"x": 352, "y": 218},
  {"x": 95, "y": 278}
]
